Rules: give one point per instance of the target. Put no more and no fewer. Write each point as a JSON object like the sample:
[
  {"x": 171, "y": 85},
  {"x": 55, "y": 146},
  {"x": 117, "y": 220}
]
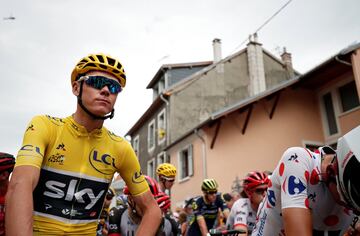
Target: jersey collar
[{"x": 80, "y": 130}]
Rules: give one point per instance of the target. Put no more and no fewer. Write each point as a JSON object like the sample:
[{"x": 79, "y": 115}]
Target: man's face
[
  {"x": 257, "y": 194},
  {"x": 168, "y": 181},
  {"x": 210, "y": 196},
  {"x": 98, "y": 101}
]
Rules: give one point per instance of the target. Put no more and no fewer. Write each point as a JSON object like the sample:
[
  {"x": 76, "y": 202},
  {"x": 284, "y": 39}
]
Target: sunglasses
[
  {"x": 109, "y": 197},
  {"x": 211, "y": 192},
  {"x": 260, "y": 191},
  {"x": 168, "y": 179},
  {"x": 99, "y": 82}
]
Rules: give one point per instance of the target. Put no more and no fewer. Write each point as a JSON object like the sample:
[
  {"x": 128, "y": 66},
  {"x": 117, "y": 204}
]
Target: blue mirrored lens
[{"x": 99, "y": 82}]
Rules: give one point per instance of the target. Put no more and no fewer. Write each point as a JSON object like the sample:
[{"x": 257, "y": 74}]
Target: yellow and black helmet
[
  {"x": 209, "y": 185},
  {"x": 167, "y": 170},
  {"x": 99, "y": 62}
]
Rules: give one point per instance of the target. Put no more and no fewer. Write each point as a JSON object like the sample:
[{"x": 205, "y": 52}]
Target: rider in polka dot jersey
[{"x": 313, "y": 193}]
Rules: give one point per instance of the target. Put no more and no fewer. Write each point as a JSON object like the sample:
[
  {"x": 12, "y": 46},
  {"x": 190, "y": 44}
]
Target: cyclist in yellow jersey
[{"x": 65, "y": 165}]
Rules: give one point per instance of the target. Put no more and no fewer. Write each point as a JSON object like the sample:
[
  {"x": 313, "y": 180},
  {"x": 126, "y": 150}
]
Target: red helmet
[
  {"x": 254, "y": 179},
  {"x": 7, "y": 162},
  {"x": 163, "y": 201},
  {"x": 153, "y": 185}
]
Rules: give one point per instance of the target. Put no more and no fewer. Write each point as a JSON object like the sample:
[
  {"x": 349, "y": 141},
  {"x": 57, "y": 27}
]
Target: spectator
[{"x": 7, "y": 162}]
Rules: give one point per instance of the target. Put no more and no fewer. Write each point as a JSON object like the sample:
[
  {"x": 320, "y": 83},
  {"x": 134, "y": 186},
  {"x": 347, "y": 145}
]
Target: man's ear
[
  {"x": 76, "y": 88},
  {"x": 331, "y": 172},
  {"x": 4, "y": 175}
]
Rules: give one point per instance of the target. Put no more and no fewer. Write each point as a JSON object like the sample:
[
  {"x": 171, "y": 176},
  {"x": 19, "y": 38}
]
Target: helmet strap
[{"x": 95, "y": 117}]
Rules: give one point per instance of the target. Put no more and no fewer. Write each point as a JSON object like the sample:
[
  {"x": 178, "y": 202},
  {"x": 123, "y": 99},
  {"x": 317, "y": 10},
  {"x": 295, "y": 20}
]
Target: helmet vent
[
  {"x": 111, "y": 61},
  {"x": 92, "y": 58},
  {"x": 101, "y": 59},
  {"x": 103, "y": 67},
  {"x": 90, "y": 65}
]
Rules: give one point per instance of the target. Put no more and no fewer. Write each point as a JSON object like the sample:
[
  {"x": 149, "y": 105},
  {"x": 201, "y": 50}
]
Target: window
[
  {"x": 186, "y": 162},
  {"x": 135, "y": 145},
  {"x": 349, "y": 96},
  {"x": 161, "y": 85},
  {"x": 161, "y": 119},
  {"x": 330, "y": 114},
  {"x": 151, "y": 135},
  {"x": 151, "y": 168},
  {"x": 161, "y": 158},
  {"x": 312, "y": 147}
]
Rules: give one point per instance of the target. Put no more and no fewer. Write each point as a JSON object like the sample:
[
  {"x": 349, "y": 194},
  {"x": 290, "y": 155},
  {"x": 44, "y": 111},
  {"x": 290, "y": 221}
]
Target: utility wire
[
  {"x": 194, "y": 78},
  {"x": 265, "y": 23}
]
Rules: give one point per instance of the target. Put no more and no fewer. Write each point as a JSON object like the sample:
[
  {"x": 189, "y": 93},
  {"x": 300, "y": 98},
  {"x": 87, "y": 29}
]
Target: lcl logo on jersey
[
  {"x": 70, "y": 192},
  {"x": 103, "y": 163},
  {"x": 30, "y": 148}
]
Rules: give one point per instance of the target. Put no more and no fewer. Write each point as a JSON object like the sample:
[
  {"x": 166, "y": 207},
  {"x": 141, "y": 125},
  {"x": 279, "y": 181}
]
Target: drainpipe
[
  {"x": 167, "y": 117},
  {"x": 342, "y": 61},
  {"x": 204, "y": 158}
]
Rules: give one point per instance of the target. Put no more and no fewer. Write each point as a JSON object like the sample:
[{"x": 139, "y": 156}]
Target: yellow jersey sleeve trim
[
  {"x": 129, "y": 168},
  {"x": 36, "y": 139}
]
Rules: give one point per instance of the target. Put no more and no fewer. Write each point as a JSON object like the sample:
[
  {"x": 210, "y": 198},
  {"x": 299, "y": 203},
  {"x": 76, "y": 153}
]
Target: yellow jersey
[{"x": 76, "y": 169}]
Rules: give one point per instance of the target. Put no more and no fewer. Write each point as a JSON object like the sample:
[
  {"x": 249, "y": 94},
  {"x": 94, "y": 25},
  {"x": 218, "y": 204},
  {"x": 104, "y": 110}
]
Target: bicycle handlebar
[{"x": 228, "y": 232}]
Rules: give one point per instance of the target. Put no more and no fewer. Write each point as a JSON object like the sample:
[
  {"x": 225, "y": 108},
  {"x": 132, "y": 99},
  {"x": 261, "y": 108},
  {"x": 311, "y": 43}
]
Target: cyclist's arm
[
  {"x": 19, "y": 200},
  {"x": 241, "y": 227},
  {"x": 202, "y": 225},
  {"x": 184, "y": 227},
  {"x": 226, "y": 213},
  {"x": 151, "y": 217},
  {"x": 129, "y": 168},
  {"x": 296, "y": 215},
  {"x": 297, "y": 221}
]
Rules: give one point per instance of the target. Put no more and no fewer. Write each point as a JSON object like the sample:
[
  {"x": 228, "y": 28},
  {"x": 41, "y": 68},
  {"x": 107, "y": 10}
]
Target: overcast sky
[{"x": 39, "y": 49}]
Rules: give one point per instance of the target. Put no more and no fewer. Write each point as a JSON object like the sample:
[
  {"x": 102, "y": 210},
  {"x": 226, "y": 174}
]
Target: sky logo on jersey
[
  {"x": 103, "y": 163},
  {"x": 59, "y": 190},
  {"x": 295, "y": 186},
  {"x": 71, "y": 197}
]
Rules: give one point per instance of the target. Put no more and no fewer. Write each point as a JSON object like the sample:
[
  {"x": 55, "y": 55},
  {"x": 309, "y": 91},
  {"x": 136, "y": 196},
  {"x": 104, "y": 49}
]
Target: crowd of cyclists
[{"x": 60, "y": 183}]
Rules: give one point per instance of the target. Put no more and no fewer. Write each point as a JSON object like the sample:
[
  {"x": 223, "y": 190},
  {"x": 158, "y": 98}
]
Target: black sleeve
[
  {"x": 115, "y": 218},
  {"x": 174, "y": 225}
]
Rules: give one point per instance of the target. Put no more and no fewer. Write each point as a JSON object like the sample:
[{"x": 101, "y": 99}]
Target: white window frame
[
  {"x": 189, "y": 149},
  {"x": 342, "y": 112},
  {"x": 151, "y": 148},
  {"x": 161, "y": 126},
  {"x": 335, "y": 97},
  {"x": 136, "y": 145},
  {"x": 151, "y": 167},
  {"x": 312, "y": 143},
  {"x": 161, "y": 158}
]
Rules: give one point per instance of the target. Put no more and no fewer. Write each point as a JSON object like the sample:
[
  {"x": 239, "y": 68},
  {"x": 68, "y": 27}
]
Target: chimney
[
  {"x": 256, "y": 66},
  {"x": 287, "y": 60},
  {"x": 217, "y": 49}
]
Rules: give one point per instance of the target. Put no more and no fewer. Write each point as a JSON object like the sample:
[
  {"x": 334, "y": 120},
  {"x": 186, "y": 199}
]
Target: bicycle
[{"x": 226, "y": 232}]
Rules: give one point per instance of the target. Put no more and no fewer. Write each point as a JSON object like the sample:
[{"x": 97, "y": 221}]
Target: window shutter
[{"x": 191, "y": 164}]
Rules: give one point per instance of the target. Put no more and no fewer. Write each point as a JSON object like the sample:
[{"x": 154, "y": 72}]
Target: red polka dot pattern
[
  {"x": 307, "y": 175},
  {"x": 331, "y": 220},
  {"x": 315, "y": 177},
  {"x": 281, "y": 169}
]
